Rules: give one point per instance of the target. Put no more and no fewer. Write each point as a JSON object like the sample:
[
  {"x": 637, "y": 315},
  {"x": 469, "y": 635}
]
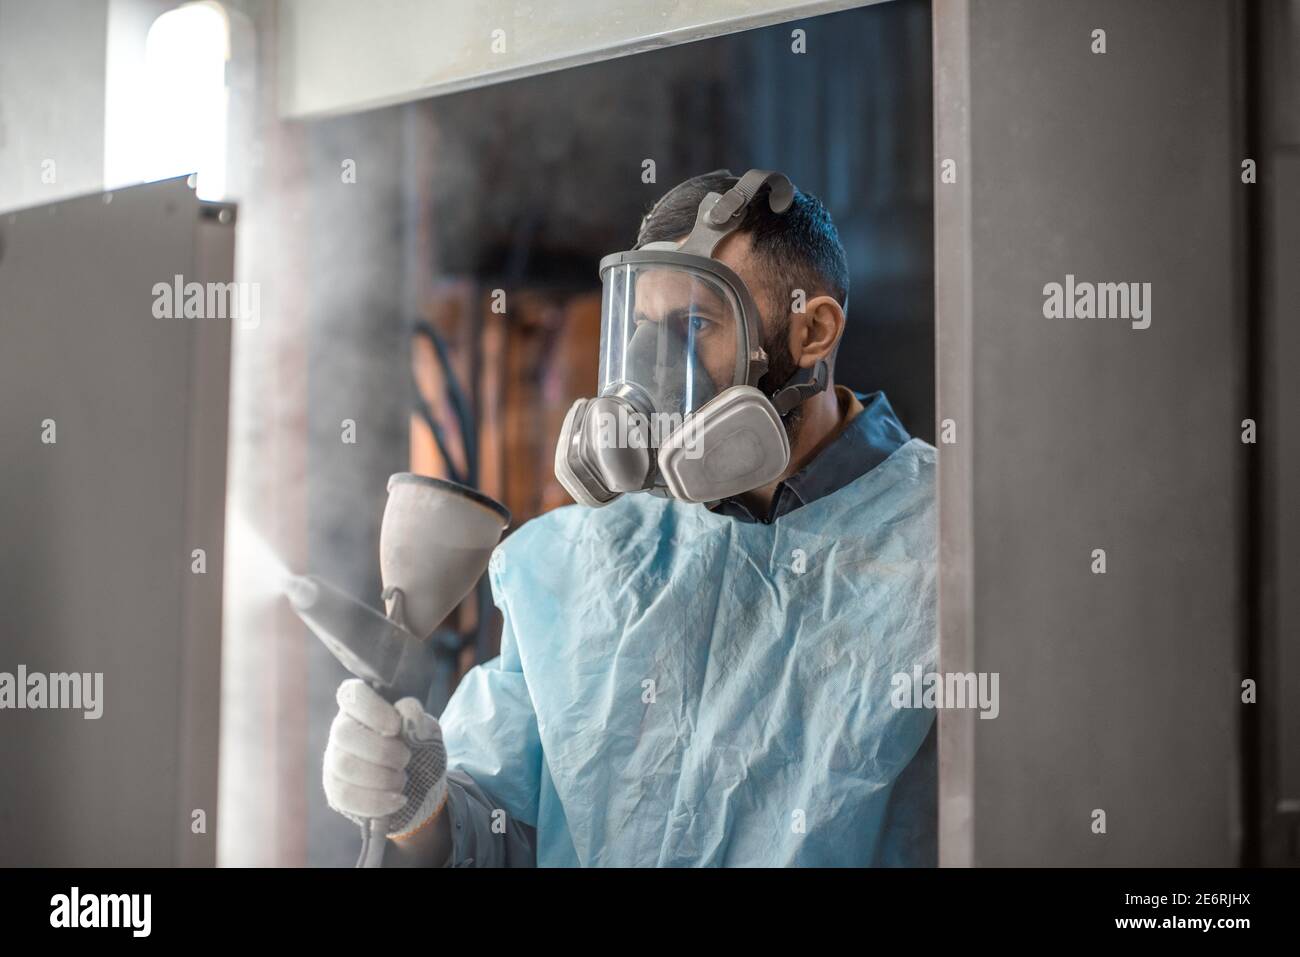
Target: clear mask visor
[{"x": 669, "y": 336}]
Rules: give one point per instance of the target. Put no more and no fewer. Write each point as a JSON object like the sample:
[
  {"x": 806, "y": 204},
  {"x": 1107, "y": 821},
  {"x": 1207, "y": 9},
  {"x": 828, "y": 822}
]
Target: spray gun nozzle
[
  {"x": 365, "y": 641},
  {"x": 301, "y": 591}
]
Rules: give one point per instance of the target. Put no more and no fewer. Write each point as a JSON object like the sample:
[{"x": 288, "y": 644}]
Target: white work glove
[{"x": 384, "y": 760}]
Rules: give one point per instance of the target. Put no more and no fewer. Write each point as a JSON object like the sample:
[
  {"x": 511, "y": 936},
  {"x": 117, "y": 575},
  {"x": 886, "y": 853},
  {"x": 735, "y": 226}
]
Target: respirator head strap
[
  {"x": 721, "y": 214},
  {"x": 800, "y": 387},
  {"x": 736, "y": 199}
]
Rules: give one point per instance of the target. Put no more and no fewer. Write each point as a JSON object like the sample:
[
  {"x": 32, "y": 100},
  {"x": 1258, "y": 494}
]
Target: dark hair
[{"x": 800, "y": 246}]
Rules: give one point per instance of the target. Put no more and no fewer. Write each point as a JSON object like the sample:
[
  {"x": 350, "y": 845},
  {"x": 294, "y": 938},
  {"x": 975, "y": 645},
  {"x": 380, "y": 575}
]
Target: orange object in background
[
  {"x": 536, "y": 359},
  {"x": 533, "y": 360}
]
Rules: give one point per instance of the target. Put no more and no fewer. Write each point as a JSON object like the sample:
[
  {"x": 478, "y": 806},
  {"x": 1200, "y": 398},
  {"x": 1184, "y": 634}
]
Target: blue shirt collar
[{"x": 868, "y": 439}]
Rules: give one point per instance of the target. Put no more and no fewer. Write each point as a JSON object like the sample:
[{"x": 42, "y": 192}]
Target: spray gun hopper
[{"x": 434, "y": 545}]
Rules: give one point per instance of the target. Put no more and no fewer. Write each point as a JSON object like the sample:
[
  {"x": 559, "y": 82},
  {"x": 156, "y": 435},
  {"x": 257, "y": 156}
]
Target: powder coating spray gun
[{"x": 434, "y": 545}]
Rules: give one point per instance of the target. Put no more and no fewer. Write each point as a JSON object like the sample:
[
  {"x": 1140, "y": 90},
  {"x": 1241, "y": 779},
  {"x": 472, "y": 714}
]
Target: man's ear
[{"x": 816, "y": 331}]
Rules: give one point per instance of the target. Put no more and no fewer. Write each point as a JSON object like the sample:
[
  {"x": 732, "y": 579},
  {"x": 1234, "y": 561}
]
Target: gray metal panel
[
  {"x": 338, "y": 56},
  {"x": 97, "y": 529},
  {"x": 1279, "y": 441},
  {"x": 1284, "y": 459},
  {"x": 953, "y": 282},
  {"x": 1280, "y": 681},
  {"x": 1118, "y": 691}
]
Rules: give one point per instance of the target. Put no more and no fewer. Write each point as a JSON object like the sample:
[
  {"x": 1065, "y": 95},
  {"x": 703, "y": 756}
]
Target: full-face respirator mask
[{"x": 679, "y": 412}]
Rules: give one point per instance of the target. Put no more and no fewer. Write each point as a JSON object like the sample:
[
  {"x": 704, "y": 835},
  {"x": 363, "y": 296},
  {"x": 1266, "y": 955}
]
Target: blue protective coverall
[{"x": 682, "y": 686}]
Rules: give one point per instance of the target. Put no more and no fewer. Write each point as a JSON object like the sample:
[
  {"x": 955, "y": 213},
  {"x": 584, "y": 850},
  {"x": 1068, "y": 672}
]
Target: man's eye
[{"x": 698, "y": 322}]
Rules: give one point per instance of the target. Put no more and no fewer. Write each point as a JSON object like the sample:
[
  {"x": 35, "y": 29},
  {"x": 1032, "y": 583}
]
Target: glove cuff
[
  {"x": 426, "y": 785},
  {"x": 430, "y": 806}
]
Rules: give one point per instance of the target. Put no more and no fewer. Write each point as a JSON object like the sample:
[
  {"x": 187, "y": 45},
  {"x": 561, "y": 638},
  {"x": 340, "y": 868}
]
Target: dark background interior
[{"x": 524, "y": 186}]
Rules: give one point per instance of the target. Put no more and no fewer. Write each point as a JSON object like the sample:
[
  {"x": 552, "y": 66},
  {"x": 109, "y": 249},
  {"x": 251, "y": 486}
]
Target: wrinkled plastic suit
[{"x": 678, "y": 688}]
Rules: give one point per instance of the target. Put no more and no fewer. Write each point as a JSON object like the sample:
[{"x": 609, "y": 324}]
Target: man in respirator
[{"x": 697, "y": 659}]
